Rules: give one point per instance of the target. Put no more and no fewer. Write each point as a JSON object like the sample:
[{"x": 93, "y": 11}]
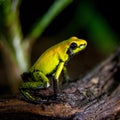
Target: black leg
[{"x": 55, "y": 88}]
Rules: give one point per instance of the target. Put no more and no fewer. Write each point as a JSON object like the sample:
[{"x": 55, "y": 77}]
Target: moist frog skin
[{"x": 52, "y": 62}]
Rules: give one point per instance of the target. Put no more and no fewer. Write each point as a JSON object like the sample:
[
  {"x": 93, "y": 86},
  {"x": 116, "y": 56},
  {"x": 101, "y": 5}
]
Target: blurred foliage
[
  {"x": 14, "y": 45},
  {"x": 99, "y": 31}
]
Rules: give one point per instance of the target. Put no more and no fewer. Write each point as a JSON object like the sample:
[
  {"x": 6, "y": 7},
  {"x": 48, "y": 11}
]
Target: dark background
[{"x": 32, "y": 10}]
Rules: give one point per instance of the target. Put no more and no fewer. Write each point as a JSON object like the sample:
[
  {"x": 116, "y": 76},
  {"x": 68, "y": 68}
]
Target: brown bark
[{"x": 96, "y": 96}]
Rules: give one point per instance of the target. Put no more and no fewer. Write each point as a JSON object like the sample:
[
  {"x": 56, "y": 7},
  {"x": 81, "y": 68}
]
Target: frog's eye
[{"x": 73, "y": 45}]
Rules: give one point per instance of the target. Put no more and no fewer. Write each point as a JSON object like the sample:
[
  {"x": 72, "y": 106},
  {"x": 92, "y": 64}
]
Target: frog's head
[{"x": 76, "y": 45}]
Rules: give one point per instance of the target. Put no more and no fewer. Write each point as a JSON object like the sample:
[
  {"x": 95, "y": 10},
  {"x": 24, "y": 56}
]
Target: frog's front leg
[
  {"x": 56, "y": 79},
  {"x": 41, "y": 82}
]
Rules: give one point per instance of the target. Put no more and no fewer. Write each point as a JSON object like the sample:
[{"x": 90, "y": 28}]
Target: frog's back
[{"x": 49, "y": 60}]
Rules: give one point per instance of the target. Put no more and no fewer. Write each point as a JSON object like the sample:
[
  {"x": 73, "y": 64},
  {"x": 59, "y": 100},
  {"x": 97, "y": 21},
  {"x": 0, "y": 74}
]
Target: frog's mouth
[{"x": 82, "y": 46}]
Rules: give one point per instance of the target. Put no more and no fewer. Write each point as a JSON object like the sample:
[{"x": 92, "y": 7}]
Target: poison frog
[{"x": 52, "y": 62}]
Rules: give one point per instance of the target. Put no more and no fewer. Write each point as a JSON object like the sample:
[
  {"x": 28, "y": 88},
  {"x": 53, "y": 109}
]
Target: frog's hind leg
[
  {"x": 26, "y": 87},
  {"x": 40, "y": 83}
]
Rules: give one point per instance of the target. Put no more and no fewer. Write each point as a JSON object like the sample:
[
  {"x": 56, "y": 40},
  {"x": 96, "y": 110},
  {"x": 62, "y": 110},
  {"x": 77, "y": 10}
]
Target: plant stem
[
  {"x": 14, "y": 34},
  {"x": 41, "y": 25}
]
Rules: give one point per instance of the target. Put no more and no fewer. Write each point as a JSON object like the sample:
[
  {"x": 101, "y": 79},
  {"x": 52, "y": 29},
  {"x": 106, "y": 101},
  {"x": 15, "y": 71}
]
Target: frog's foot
[
  {"x": 59, "y": 97},
  {"x": 40, "y": 101}
]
